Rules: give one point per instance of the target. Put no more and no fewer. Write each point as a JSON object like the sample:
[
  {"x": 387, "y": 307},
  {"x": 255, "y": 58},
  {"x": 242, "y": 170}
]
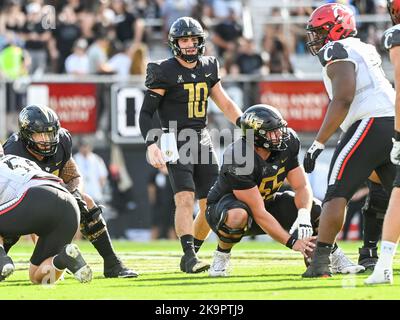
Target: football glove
[
  {"x": 302, "y": 225},
  {"x": 395, "y": 153},
  {"x": 312, "y": 155}
]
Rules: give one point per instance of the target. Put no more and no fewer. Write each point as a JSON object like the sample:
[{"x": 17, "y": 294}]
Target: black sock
[
  {"x": 223, "y": 250},
  {"x": 104, "y": 247},
  {"x": 187, "y": 243},
  {"x": 59, "y": 261},
  {"x": 335, "y": 246},
  {"x": 324, "y": 245},
  {"x": 197, "y": 244},
  {"x": 372, "y": 230}
]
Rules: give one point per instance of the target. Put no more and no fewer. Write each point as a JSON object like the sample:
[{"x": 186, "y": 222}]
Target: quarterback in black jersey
[
  {"x": 383, "y": 272},
  {"x": 42, "y": 140},
  {"x": 246, "y": 200},
  {"x": 178, "y": 89}
]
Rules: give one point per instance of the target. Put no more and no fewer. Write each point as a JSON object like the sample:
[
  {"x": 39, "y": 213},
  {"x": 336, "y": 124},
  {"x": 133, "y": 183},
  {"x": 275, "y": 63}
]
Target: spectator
[
  {"x": 120, "y": 63},
  {"x": 65, "y": 35},
  {"x": 37, "y": 38},
  {"x": 14, "y": 62},
  {"x": 227, "y": 34},
  {"x": 12, "y": 22},
  {"x": 128, "y": 26},
  {"x": 248, "y": 60},
  {"x": 174, "y": 9},
  {"x": 78, "y": 62},
  {"x": 93, "y": 171},
  {"x": 97, "y": 53},
  {"x": 139, "y": 60},
  {"x": 161, "y": 199}
]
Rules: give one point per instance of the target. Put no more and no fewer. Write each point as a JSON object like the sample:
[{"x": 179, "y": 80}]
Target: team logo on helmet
[{"x": 253, "y": 121}]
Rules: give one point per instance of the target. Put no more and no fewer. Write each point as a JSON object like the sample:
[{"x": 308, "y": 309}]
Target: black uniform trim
[
  {"x": 391, "y": 37},
  {"x": 331, "y": 52}
]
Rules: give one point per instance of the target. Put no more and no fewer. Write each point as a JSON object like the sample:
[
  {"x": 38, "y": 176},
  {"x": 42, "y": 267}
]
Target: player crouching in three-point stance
[
  {"x": 362, "y": 101},
  {"x": 34, "y": 202},
  {"x": 42, "y": 140},
  {"x": 246, "y": 200}
]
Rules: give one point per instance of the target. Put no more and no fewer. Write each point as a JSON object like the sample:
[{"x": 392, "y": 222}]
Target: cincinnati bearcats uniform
[
  {"x": 34, "y": 202},
  {"x": 369, "y": 125},
  {"x": 390, "y": 39},
  {"x": 185, "y": 102},
  {"x": 53, "y": 164},
  {"x": 243, "y": 169}
]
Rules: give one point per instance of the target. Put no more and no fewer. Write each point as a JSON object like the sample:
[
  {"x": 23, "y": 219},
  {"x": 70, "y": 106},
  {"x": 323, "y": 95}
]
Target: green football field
[{"x": 260, "y": 270}]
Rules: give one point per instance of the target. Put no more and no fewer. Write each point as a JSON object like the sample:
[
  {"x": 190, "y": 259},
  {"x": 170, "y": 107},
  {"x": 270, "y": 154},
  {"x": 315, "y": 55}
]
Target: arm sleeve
[{"x": 151, "y": 102}]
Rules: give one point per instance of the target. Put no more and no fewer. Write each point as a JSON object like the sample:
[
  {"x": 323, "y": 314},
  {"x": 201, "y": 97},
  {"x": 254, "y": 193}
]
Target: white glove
[
  {"x": 302, "y": 224},
  {"x": 395, "y": 153}
]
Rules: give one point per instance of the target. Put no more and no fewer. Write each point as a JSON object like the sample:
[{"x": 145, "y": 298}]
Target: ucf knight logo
[{"x": 253, "y": 121}]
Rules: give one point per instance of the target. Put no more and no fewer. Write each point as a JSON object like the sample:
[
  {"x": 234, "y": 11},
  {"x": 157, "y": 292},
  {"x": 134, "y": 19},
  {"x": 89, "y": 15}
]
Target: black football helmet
[
  {"x": 186, "y": 27},
  {"x": 270, "y": 129},
  {"x": 43, "y": 120}
]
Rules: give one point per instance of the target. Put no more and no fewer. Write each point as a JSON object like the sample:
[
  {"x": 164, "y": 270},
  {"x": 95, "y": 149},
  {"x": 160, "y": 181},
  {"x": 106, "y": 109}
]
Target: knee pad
[
  {"x": 92, "y": 224},
  {"x": 237, "y": 232},
  {"x": 376, "y": 204}
]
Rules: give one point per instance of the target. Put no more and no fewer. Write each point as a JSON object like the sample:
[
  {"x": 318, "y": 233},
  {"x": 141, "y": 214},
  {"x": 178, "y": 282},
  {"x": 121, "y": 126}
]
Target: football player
[
  {"x": 383, "y": 272},
  {"x": 178, "y": 88},
  {"x": 42, "y": 140},
  {"x": 249, "y": 203},
  {"x": 33, "y": 201},
  {"x": 362, "y": 105}
]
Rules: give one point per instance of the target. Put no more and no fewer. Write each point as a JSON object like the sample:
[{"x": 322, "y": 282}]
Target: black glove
[
  {"x": 312, "y": 155},
  {"x": 81, "y": 203}
]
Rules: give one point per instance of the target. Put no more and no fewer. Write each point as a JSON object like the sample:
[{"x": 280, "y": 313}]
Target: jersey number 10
[{"x": 198, "y": 93}]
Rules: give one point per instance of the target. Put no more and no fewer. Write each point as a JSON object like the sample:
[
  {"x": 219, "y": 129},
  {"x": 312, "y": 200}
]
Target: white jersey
[
  {"x": 17, "y": 175},
  {"x": 374, "y": 95}
]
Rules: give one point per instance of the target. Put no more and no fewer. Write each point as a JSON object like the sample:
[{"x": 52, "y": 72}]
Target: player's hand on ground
[
  {"x": 302, "y": 224},
  {"x": 311, "y": 156},
  {"x": 305, "y": 246},
  {"x": 395, "y": 153},
  {"x": 155, "y": 156}
]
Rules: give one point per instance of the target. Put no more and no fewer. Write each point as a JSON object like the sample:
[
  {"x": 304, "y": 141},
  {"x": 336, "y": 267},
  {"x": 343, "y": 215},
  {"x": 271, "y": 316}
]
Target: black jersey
[
  {"x": 268, "y": 175},
  {"x": 187, "y": 90},
  {"x": 53, "y": 164}
]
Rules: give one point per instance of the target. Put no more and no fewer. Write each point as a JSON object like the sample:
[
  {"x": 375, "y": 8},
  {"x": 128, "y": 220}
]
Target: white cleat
[
  {"x": 78, "y": 267},
  {"x": 342, "y": 264},
  {"x": 220, "y": 265},
  {"x": 380, "y": 275}
]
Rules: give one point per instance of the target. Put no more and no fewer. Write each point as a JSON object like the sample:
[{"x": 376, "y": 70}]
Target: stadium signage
[
  {"x": 302, "y": 103},
  {"x": 75, "y": 103}
]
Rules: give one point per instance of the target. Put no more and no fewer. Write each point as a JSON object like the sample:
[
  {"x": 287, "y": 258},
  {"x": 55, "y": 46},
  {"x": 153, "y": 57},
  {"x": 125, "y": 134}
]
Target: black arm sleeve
[{"x": 151, "y": 102}]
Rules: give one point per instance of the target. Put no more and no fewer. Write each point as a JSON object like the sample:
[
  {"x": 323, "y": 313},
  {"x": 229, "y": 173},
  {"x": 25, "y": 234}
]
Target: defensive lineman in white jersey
[
  {"x": 34, "y": 202},
  {"x": 362, "y": 105}
]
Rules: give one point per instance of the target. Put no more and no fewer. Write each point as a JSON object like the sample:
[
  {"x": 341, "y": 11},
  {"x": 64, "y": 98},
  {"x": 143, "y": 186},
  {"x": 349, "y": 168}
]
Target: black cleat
[
  {"x": 191, "y": 264},
  {"x": 320, "y": 266},
  {"x": 118, "y": 270},
  {"x": 368, "y": 258},
  {"x": 75, "y": 263},
  {"x": 6, "y": 267}
]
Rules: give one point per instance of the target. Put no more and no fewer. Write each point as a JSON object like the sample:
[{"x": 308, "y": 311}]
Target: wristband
[
  {"x": 239, "y": 122},
  {"x": 290, "y": 243},
  {"x": 396, "y": 135}
]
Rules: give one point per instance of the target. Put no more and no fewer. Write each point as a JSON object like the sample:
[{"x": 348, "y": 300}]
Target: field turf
[{"x": 260, "y": 271}]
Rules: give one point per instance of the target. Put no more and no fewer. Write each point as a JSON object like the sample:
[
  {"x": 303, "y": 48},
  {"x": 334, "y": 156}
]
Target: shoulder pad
[
  {"x": 332, "y": 51},
  {"x": 66, "y": 140},
  {"x": 154, "y": 76},
  {"x": 391, "y": 37},
  {"x": 294, "y": 141}
]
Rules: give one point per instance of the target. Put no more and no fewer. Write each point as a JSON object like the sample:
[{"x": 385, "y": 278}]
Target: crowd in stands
[{"x": 120, "y": 36}]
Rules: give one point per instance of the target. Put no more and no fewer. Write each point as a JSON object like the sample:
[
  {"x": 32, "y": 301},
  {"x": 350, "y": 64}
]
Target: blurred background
[{"x": 87, "y": 59}]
